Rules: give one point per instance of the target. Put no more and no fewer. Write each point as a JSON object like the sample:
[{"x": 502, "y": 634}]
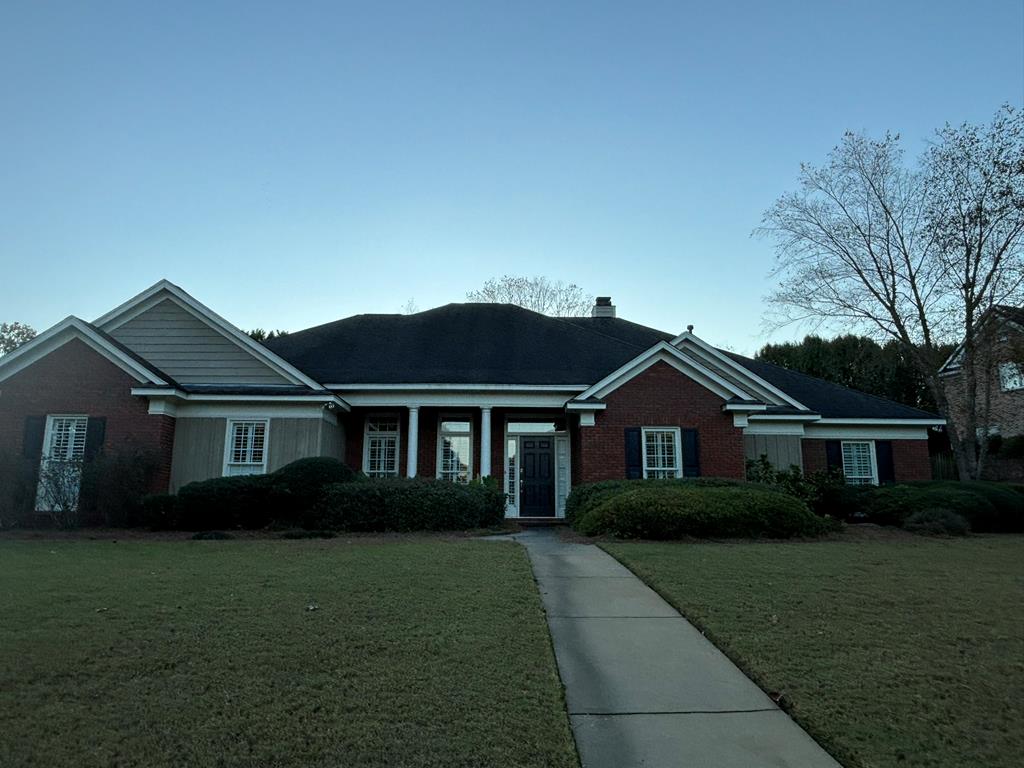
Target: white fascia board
[
  {"x": 771, "y": 428},
  {"x": 570, "y": 406},
  {"x": 887, "y": 422},
  {"x": 67, "y": 329},
  {"x": 750, "y": 408},
  {"x": 774, "y": 417},
  {"x": 413, "y": 399},
  {"x": 665, "y": 352},
  {"x": 865, "y": 431},
  {"x": 207, "y": 410},
  {"x": 193, "y": 397},
  {"x": 458, "y": 387},
  {"x": 742, "y": 371},
  {"x": 168, "y": 290}
]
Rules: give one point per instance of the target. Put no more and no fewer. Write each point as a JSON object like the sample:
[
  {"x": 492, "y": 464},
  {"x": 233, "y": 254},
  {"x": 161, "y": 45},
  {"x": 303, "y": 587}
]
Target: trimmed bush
[
  {"x": 584, "y": 498},
  {"x": 114, "y": 486},
  {"x": 17, "y": 489},
  {"x": 160, "y": 512},
  {"x": 664, "y": 511},
  {"x": 248, "y": 501},
  {"x": 987, "y": 507},
  {"x": 303, "y": 481},
  {"x": 937, "y": 522},
  {"x": 408, "y": 505}
]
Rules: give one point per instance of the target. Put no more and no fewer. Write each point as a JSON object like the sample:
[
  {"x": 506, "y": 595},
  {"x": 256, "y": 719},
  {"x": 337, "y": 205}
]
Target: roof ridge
[{"x": 566, "y": 321}]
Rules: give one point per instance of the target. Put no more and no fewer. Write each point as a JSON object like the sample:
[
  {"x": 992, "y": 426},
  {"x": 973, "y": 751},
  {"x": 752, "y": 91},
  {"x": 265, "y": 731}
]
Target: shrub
[
  {"x": 997, "y": 507},
  {"x": 17, "y": 489},
  {"x": 661, "y": 511},
  {"x": 845, "y": 502},
  {"x": 937, "y": 521},
  {"x": 584, "y": 498},
  {"x": 818, "y": 490},
  {"x": 114, "y": 486},
  {"x": 248, "y": 501},
  {"x": 160, "y": 512},
  {"x": 408, "y": 505},
  {"x": 301, "y": 483}
]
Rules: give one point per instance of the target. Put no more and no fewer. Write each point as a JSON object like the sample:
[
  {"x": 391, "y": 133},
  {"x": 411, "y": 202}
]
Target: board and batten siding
[
  {"x": 783, "y": 451},
  {"x": 199, "y": 446},
  {"x": 189, "y": 350}
]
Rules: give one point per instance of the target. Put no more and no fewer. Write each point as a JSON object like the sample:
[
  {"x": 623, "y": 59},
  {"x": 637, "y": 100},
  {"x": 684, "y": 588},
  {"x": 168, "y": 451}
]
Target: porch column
[
  {"x": 414, "y": 441},
  {"x": 485, "y": 441}
]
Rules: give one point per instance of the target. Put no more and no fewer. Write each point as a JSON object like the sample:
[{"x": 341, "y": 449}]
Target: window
[
  {"x": 454, "y": 452},
  {"x": 380, "y": 446},
  {"x": 246, "y": 448},
  {"x": 859, "y": 463},
  {"x": 60, "y": 466},
  {"x": 662, "y": 454},
  {"x": 1011, "y": 377}
]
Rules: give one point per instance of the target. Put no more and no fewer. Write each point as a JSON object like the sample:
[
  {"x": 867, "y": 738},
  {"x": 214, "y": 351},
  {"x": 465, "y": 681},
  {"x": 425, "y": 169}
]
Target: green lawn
[
  {"x": 896, "y": 652},
  {"x": 157, "y": 653}
]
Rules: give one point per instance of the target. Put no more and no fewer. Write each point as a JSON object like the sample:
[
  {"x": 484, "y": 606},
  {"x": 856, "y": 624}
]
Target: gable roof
[
  {"x": 164, "y": 290},
  {"x": 75, "y": 328}
]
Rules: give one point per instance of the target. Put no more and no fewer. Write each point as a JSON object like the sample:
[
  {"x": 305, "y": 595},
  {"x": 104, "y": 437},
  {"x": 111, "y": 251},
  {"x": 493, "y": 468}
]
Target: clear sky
[{"x": 292, "y": 163}]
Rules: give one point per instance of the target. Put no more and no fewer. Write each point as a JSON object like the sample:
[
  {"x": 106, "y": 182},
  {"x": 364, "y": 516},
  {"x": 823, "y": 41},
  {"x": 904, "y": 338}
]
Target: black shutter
[
  {"x": 691, "y": 453},
  {"x": 883, "y": 459},
  {"x": 94, "y": 434},
  {"x": 32, "y": 440},
  {"x": 634, "y": 454},
  {"x": 834, "y": 455}
]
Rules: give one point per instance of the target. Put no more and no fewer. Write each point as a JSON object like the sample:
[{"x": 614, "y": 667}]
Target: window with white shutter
[
  {"x": 380, "y": 446},
  {"x": 246, "y": 447},
  {"x": 662, "y": 454},
  {"x": 859, "y": 463}
]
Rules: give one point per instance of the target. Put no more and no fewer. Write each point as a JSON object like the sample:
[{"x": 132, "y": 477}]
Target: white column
[
  {"x": 485, "y": 441},
  {"x": 414, "y": 441}
]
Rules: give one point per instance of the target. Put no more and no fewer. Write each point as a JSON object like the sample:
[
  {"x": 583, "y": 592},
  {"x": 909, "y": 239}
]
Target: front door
[{"x": 537, "y": 488}]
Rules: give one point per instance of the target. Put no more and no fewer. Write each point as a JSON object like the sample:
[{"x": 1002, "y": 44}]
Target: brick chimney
[{"x": 603, "y": 307}]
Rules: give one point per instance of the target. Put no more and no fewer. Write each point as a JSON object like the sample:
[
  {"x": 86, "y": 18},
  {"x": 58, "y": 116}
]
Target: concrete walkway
[{"x": 643, "y": 686}]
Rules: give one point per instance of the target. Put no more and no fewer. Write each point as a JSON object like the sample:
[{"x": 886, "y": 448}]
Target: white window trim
[
  {"x": 440, "y": 443},
  {"x": 871, "y": 451},
  {"x": 398, "y": 442},
  {"x": 677, "y": 436},
  {"x": 229, "y": 442},
  {"x": 1003, "y": 379},
  {"x": 48, "y": 432}
]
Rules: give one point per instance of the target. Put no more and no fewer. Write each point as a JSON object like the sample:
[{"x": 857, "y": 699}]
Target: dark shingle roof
[
  {"x": 505, "y": 344},
  {"x": 456, "y": 343}
]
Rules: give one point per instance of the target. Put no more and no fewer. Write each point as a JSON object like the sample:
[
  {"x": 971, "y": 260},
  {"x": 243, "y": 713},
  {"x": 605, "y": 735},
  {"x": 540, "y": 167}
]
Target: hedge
[
  {"x": 284, "y": 497},
  {"x": 673, "y": 510},
  {"x": 584, "y": 498},
  {"x": 408, "y": 505}
]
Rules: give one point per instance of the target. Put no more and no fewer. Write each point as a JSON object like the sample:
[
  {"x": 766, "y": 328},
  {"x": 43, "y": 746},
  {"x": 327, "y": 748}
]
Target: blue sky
[{"x": 292, "y": 163}]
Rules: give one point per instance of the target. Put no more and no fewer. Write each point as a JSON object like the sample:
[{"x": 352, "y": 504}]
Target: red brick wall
[
  {"x": 76, "y": 379},
  {"x": 660, "y": 396},
  {"x": 909, "y": 458}
]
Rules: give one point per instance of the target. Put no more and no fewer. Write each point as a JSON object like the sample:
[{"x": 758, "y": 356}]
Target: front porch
[{"x": 529, "y": 451}]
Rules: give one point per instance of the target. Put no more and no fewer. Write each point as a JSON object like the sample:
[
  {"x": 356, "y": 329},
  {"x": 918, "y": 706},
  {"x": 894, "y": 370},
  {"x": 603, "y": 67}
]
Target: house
[
  {"x": 457, "y": 392},
  {"x": 999, "y": 376}
]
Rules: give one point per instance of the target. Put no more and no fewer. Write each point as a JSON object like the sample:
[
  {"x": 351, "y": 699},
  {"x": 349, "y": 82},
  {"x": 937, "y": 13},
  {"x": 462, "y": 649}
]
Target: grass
[
  {"x": 903, "y": 652},
  {"x": 159, "y": 653}
]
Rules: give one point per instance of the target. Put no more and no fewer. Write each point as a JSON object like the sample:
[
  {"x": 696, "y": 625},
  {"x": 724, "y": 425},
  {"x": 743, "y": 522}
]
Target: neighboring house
[
  {"x": 457, "y": 392},
  {"x": 1000, "y": 375}
]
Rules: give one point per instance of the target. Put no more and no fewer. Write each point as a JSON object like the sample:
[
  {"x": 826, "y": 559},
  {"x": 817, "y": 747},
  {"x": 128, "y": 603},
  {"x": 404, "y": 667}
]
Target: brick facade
[
  {"x": 76, "y": 379},
  {"x": 910, "y": 458},
  {"x": 660, "y": 396},
  {"x": 1006, "y": 414}
]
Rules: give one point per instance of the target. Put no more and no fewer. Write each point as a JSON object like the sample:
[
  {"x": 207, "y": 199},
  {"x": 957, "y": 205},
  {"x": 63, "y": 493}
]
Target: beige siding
[
  {"x": 198, "y": 450},
  {"x": 783, "y": 451},
  {"x": 332, "y": 440},
  {"x": 292, "y": 439},
  {"x": 191, "y": 351}
]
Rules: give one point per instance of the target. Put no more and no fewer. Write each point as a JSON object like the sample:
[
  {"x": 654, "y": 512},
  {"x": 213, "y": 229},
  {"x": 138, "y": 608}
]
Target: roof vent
[{"x": 603, "y": 307}]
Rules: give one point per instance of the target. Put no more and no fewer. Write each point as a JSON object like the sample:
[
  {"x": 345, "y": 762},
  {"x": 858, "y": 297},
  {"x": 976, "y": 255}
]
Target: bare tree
[
  {"x": 59, "y": 485},
  {"x": 410, "y": 307},
  {"x": 913, "y": 254},
  {"x": 549, "y": 297},
  {"x": 13, "y": 335}
]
